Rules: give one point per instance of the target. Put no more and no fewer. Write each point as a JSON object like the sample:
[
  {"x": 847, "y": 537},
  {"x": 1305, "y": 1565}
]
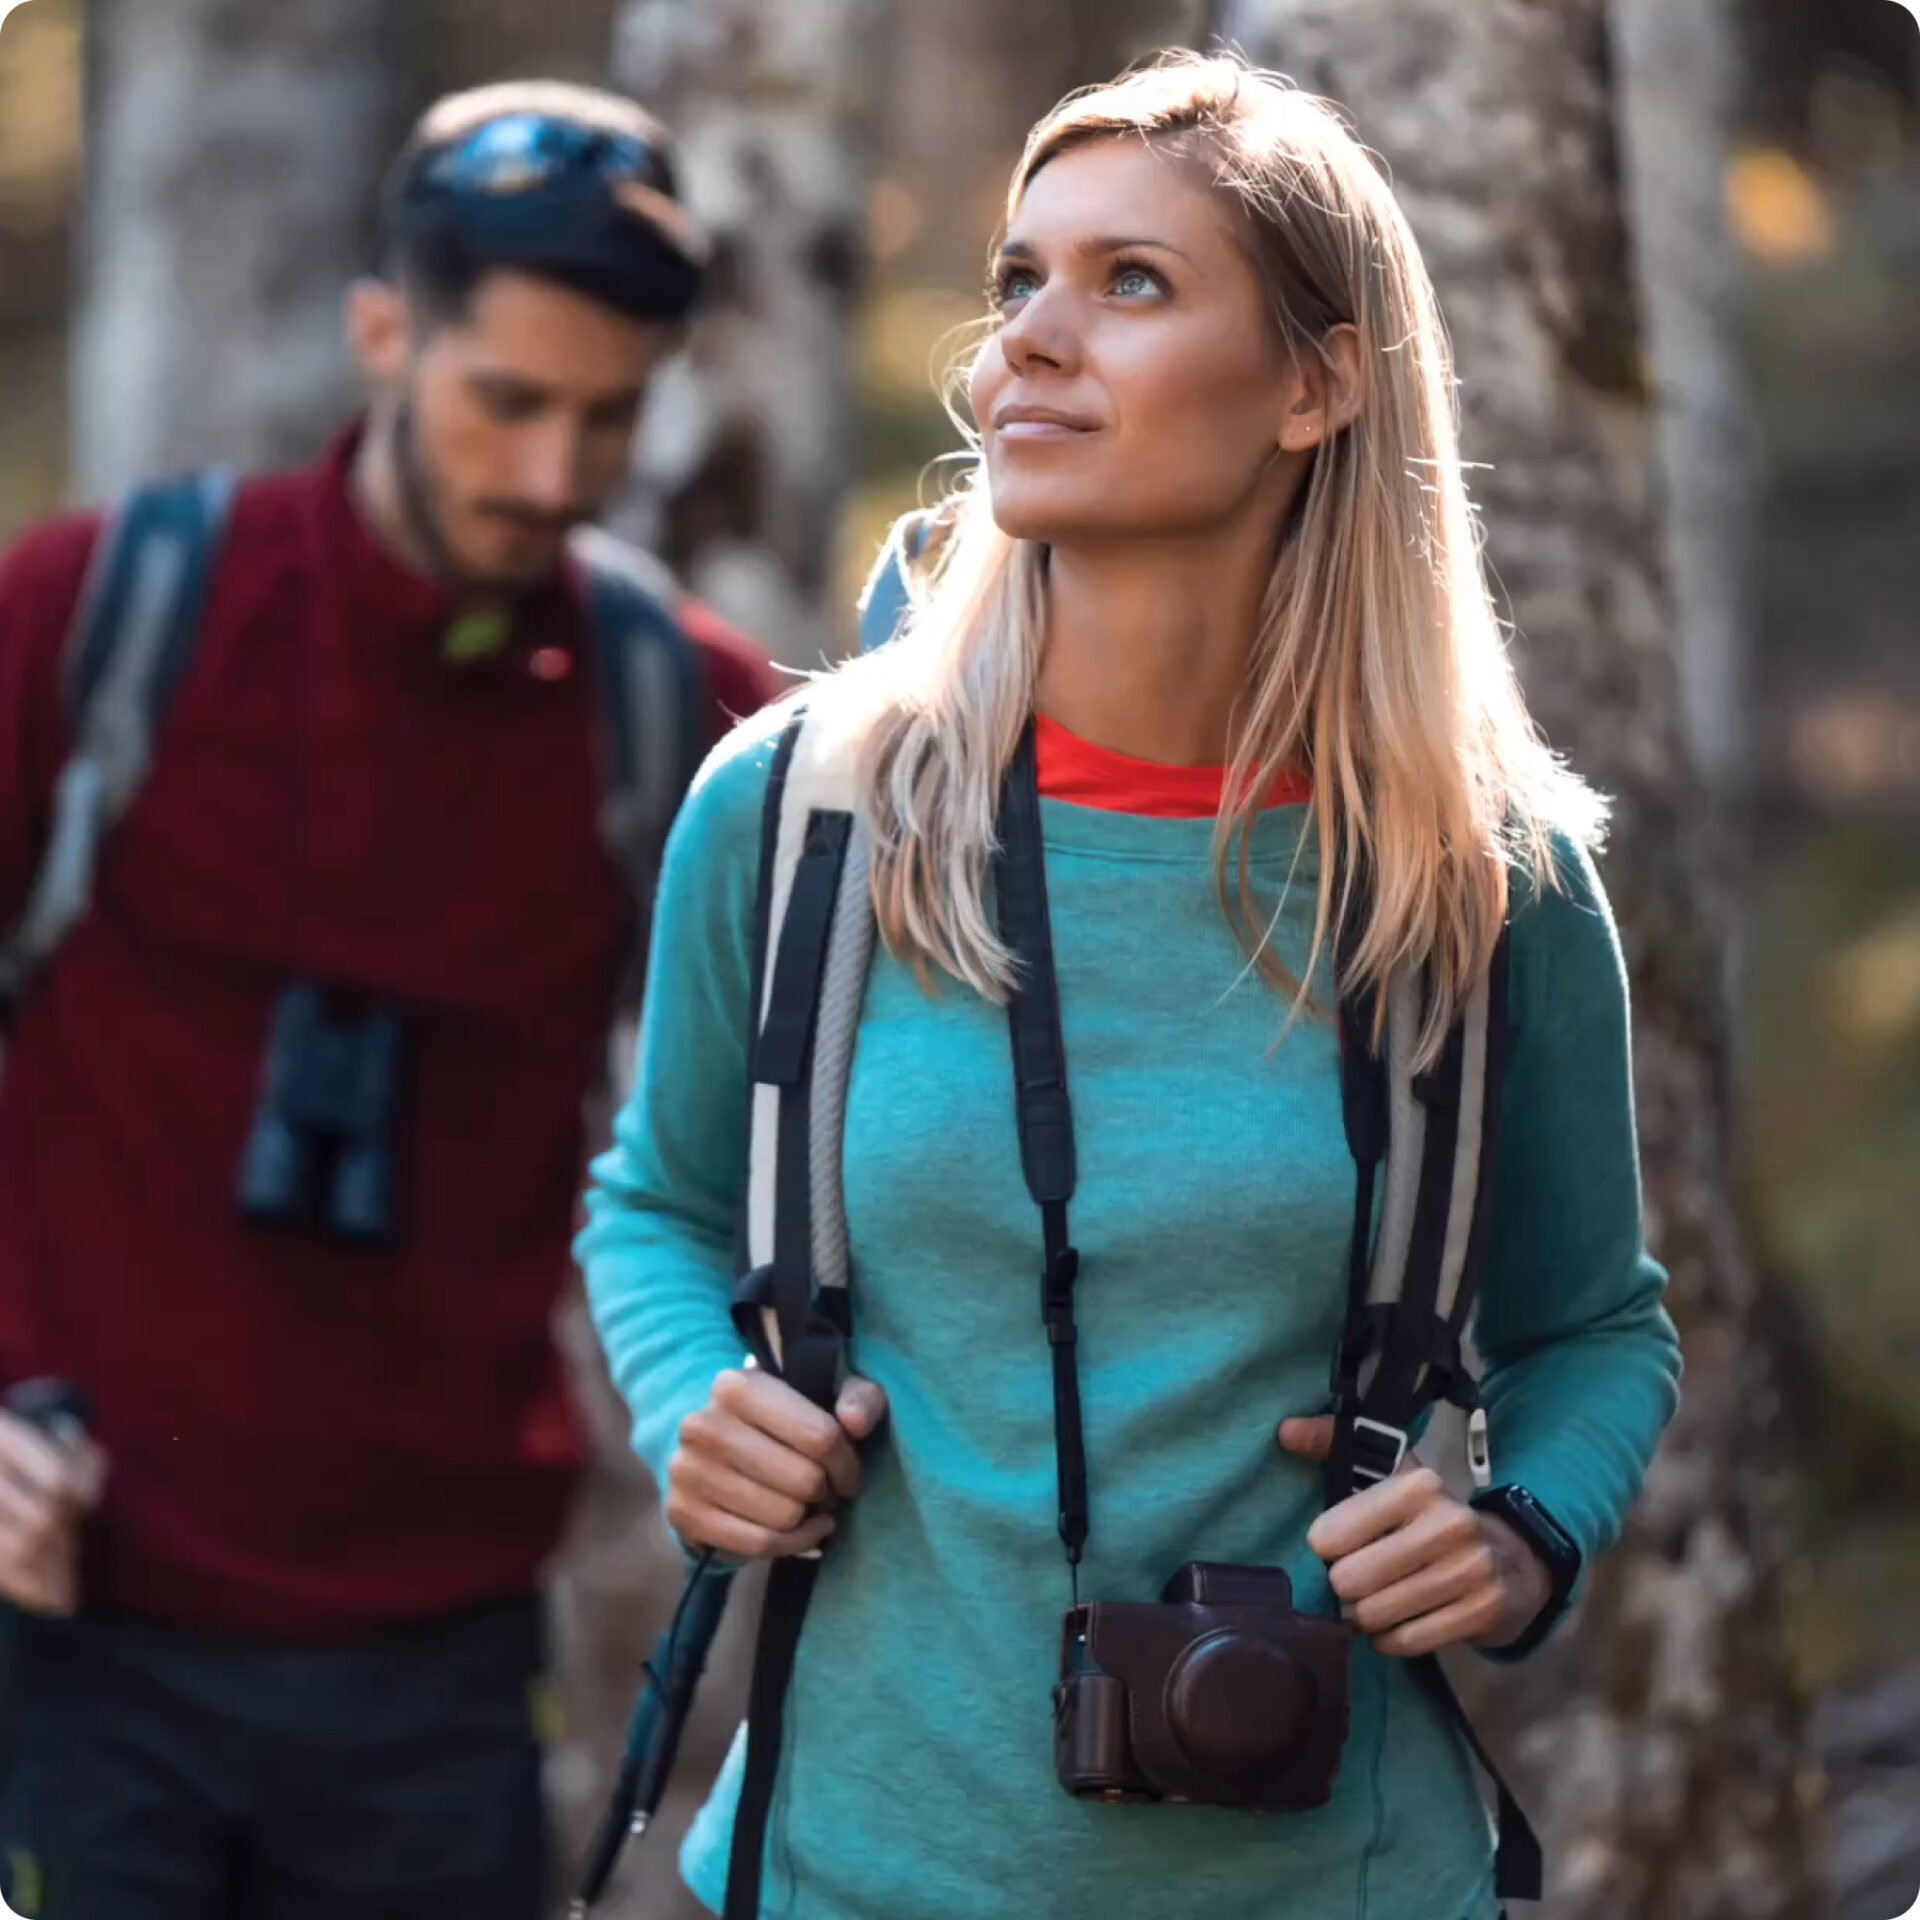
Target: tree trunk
[
  {"x": 234, "y": 156},
  {"x": 749, "y": 441},
  {"x": 1656, "y": 1742},
  {"x": 1679, "y": 82}
]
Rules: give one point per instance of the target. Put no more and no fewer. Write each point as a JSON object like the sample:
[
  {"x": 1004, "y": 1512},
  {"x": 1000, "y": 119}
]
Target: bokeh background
[{"x": 1679, "y": 244}]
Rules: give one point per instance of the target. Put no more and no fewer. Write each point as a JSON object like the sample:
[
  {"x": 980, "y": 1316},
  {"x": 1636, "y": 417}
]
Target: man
[{"x": 283, "y": 1631}]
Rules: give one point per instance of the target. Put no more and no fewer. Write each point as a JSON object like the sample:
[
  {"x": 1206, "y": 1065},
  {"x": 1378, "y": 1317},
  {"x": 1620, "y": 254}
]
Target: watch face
[{"x": 1550, "y": 1540}]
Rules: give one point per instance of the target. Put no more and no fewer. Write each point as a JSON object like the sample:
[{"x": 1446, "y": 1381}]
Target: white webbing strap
[{"x": 819, "y": 779}]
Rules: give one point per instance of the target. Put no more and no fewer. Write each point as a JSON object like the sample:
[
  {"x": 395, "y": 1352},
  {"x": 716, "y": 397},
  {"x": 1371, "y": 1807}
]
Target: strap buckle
[{"x": 1377, "y": 1449}]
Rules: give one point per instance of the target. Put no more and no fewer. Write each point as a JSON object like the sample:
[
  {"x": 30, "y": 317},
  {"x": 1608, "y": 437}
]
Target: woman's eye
[
  {"x": 1016, "y": 284},
  {"x": 1132, "y": 282}
]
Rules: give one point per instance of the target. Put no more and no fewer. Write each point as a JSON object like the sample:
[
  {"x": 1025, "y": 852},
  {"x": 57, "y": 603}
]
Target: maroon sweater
[{"x": 307, "y": 1442}]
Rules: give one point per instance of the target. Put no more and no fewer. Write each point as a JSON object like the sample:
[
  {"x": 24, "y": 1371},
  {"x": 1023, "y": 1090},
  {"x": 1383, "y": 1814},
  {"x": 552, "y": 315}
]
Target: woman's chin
[{"x": 1050, "y": 520}]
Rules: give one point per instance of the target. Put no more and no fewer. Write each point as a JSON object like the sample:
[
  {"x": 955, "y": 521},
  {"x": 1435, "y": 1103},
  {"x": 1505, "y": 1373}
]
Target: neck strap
[{"x": 1044, "y": 1109}]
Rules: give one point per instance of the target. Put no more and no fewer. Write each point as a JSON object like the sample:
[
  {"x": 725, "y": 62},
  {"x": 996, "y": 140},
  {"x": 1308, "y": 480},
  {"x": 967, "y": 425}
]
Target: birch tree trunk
[
  {"x": 234, "y": 158},
  {"x": 749, "y": 442},
  {"x": 1656, "y": 1741}
]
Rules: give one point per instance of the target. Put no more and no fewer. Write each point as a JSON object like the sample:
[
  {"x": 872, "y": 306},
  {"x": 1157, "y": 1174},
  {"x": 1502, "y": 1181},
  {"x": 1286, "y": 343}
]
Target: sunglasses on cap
[{"x": 521, "y": 152}]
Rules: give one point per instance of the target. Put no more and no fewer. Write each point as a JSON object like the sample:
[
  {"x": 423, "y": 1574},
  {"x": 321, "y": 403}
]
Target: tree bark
[
  {"x": 749, "y": 439},
  {"x": 1679, "y": 83},
  {"x": 1656, "y": 1741},
  {"x": 234, "y": 155}
]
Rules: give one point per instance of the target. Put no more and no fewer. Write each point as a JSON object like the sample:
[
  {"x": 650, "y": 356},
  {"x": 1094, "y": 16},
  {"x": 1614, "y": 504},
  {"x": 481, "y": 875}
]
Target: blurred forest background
[{"x": 1679, "y": 245}]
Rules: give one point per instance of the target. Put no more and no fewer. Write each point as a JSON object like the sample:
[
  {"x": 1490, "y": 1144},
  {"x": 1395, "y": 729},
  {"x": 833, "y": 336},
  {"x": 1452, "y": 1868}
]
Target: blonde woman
[{"x": 1216, "y": 569}]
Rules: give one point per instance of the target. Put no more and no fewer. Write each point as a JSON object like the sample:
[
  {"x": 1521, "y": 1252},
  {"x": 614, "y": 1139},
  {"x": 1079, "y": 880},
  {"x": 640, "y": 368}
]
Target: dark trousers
[{"x": 161, "y": 1775}]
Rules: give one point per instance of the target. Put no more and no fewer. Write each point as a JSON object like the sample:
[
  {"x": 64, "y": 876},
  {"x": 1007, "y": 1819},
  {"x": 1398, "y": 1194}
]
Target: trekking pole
[{"x": 659, "y": 1719}]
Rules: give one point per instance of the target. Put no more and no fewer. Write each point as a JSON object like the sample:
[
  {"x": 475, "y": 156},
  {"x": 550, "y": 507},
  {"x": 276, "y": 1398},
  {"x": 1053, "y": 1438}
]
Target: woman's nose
[{"x": 1041, "y": 334}]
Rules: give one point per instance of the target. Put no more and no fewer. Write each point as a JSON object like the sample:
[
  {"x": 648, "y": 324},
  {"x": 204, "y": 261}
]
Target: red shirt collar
[{"x": 1085, "y": 775}]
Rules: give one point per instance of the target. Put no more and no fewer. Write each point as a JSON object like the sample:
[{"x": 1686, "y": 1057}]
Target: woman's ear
[{"x": 1326, "y": 392}]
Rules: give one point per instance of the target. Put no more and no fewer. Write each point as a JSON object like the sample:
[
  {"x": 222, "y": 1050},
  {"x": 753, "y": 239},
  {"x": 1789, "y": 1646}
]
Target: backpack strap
[
  {"x": 889, "y": 595},
  {"x": 1412, "y": 1285},
  {"x": 814, "y": 939},
  {"x": 127, "y": 653},
  {"x": 1434, "y": 1136},
  {"x": 651, "y": 686}
]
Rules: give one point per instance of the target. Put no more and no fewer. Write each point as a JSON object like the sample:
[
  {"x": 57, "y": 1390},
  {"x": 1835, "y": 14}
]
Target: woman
[{"x": 1218, "y": 548}]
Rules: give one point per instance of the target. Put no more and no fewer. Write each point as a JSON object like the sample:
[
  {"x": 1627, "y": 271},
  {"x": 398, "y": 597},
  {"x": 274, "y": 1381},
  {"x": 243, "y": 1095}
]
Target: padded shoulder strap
[
  {"x": 889, "y": 594},
  {"x": 127, "y": 655},
  {"x": 815, "y": 937},
  {"x": 1414, "y": 1278},
  {"x": 653, "y": 700}
]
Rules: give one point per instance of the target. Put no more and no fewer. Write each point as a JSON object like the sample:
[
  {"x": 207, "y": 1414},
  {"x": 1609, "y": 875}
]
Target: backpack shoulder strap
[
  {"x": 814, "y": 922},
  {"x": 1413, "y": 1279},
  {"x": 126, "y": 657},
  {"x": 1412, "y": 1284},
  {"x": 891, "y": 591},
  {"x": 651, "y": 684},
  {"x": 814, "y": 932},
  {"x": 650, "y": 687}
]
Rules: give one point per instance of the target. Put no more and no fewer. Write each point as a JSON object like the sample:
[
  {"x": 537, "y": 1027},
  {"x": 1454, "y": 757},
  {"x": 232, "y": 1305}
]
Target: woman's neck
[{"x": 1148, "y": 643}]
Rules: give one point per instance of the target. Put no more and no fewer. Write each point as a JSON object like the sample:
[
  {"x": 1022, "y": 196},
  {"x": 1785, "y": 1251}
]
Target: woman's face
[{"x": 1136, "y": 385}]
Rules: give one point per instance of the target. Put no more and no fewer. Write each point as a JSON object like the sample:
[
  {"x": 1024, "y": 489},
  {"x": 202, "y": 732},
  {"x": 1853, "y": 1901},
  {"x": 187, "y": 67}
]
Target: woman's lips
[{"x": 1040, "y": 423}]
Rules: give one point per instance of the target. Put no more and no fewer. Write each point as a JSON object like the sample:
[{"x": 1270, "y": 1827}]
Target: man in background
[{"x": 282, "y": 1632}]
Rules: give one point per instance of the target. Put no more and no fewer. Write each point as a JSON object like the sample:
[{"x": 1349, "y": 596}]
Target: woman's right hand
[{"x": 759, "y": 1467}]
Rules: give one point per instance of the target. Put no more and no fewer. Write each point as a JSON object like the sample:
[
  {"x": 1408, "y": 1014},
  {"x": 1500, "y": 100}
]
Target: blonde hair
[{"x": 1380, "y": 667}]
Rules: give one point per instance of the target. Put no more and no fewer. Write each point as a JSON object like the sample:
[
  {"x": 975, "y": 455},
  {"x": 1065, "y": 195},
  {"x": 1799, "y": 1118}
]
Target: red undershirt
[{"x": 1084, "y": 775}]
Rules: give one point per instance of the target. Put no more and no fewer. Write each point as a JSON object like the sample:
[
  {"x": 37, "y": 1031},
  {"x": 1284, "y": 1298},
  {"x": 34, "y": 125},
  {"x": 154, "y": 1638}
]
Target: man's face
[{"x": 516, "y": 420}]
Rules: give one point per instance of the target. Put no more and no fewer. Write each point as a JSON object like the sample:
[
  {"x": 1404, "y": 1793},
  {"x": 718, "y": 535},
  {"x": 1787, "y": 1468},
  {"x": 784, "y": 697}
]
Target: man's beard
[{"x": 426, "y": 523}]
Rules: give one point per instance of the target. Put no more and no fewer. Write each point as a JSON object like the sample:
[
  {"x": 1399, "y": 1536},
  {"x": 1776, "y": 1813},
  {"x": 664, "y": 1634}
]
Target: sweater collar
[{"x": 382, "y": 605}]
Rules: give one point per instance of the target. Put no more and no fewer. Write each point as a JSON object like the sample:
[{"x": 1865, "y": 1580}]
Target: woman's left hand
[{"x": 1414, "y": 1568}]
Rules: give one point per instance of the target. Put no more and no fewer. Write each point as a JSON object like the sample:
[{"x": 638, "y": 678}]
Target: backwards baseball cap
[{"x": 564, "y": 183}]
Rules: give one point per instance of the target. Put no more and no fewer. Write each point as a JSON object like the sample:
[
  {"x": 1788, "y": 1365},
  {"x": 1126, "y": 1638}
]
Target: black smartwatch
[{"x": 1556, "y": 1548}]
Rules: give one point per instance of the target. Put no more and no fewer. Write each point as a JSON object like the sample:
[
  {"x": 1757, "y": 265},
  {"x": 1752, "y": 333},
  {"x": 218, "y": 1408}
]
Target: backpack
[
  {"x": 131, "y": 646},
  {"x": 1424, "y": 1146}
]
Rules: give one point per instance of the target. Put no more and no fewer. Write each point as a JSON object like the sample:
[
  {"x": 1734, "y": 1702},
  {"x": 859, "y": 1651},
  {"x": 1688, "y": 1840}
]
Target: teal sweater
[{"x": 1212, "y": 1217}]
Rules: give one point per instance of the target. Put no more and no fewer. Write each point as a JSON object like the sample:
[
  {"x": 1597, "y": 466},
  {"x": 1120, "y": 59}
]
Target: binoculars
[{"x": 321, "y": 1157}]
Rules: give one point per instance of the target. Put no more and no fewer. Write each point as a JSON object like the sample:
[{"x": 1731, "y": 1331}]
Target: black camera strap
[{"x": 1045, "y": 1114}]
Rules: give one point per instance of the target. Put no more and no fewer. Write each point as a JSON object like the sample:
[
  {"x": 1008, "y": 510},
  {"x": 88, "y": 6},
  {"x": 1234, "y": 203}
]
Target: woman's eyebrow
[{"x": 1095, "y": 247}]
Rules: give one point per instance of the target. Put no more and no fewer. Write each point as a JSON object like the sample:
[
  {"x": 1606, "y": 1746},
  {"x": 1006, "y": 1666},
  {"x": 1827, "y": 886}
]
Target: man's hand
[
  {"x": 45, "y": 1492},
  {"x": 1414, "y": 1568},
  {"x": 760, "y": 1466}
]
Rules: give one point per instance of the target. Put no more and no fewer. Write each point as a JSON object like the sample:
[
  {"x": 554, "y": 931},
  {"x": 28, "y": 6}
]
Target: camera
[
  {"x": 321, "y": 1156},
  {"x": 1220, "y": 1695}
]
